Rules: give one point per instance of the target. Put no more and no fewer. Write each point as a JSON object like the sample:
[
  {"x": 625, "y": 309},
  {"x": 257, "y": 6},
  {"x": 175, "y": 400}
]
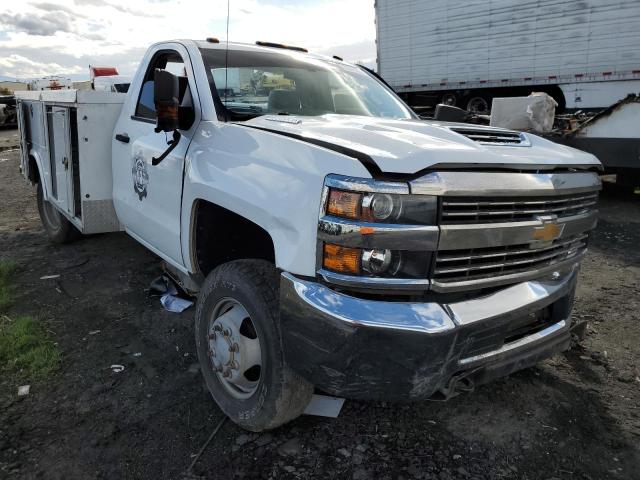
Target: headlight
[
  {"x": 383, "y": 207},
  {"x": 372, "y": 231}
]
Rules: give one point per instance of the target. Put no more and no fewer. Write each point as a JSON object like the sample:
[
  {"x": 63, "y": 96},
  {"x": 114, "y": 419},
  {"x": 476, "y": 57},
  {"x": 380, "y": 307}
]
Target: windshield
[{"x": 255, "y": 83}]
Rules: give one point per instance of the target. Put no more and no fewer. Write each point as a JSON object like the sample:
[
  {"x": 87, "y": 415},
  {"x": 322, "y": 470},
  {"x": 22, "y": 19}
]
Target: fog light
[{"x": 377, "y": 262}]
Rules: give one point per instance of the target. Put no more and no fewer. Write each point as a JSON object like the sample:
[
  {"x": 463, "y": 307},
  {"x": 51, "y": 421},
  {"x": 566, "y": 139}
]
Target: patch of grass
[
  {"x": 25, "y": 349},
  {"x": 7, "y": 268}
]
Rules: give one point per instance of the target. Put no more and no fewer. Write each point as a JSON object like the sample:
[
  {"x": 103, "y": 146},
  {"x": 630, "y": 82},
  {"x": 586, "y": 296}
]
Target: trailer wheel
[
  {"x": 237, "y": 328},
  {"x": 478, "y": 104},
  {"x": 449, "y": 98},
  {"x": 58, "y": 228}
]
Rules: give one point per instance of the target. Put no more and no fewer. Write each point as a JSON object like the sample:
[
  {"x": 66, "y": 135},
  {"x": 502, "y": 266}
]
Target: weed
[{"x": 25, "y": 349}]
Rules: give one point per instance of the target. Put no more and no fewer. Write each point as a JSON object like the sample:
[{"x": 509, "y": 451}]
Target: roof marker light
[{"x": 213, "y": 40}]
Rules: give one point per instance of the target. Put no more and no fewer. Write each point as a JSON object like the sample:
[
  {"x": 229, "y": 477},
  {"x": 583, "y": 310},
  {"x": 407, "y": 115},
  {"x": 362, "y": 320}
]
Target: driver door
[{"x": 148, "y": 197}]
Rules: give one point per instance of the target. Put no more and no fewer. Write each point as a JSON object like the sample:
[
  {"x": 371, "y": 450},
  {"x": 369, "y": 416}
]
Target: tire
[
  {"x": 241, "y": 299},
  {"x": 449, "y": 98},
  {"x": 58, "y": 228},
  {"x": 479, "y": 104}
]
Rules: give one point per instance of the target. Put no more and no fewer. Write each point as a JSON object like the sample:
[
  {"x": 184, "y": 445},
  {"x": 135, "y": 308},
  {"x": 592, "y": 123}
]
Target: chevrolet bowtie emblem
[{"x": 549, "y": 231}]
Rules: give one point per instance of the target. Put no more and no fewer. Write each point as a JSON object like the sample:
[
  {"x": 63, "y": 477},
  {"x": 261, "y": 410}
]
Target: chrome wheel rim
[
  {"x": 234, "y": 348},
  {"x": 478, "y": 105}
]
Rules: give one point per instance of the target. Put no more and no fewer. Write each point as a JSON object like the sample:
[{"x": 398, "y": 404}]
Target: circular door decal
[{"x": 140, "y": 175}]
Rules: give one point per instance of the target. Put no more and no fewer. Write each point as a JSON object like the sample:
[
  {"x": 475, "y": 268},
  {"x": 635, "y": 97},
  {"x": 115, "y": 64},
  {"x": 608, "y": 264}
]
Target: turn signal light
[
  {"x": 341, "y": 259},
  {"x": 344, "y": 204}
]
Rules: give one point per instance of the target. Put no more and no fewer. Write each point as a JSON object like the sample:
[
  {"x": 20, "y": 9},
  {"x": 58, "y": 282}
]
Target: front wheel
[
  {"x": 58, "y": 228},
  {"x": 240, "y": 347}
]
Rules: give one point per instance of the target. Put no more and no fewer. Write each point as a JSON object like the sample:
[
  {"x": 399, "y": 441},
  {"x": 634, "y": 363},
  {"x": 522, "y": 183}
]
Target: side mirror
[{"x": 168, "y": 94}]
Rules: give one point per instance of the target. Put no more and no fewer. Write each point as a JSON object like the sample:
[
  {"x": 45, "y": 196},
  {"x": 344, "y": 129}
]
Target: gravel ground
[{"x": 575, "y": 416}]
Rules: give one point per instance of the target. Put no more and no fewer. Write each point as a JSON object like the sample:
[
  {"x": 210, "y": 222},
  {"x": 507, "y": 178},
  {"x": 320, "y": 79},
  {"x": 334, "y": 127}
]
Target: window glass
[
  {"x": 171, "y": 62},
  {"x": 146, "y": 106},
  {"x": 253, "y": 83}
]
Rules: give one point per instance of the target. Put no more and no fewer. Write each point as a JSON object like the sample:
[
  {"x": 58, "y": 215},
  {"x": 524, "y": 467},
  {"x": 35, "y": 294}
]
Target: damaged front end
[{"x": 474, "y": 283}]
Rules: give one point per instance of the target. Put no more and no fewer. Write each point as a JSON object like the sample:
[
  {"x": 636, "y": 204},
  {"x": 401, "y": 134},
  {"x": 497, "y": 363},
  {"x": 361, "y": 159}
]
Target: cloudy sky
[{"x": 63, "y": 37}]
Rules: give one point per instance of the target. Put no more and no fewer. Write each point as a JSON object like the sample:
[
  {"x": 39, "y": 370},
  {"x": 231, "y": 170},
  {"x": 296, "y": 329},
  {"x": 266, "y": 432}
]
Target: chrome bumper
[{"x": 362, "y": 348}]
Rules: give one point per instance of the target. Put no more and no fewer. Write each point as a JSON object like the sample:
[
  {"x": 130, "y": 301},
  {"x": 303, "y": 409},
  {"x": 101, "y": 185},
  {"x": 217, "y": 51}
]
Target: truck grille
[
  {"x": 475, "y": 264},
  {"x": 456, "y": 210},
  {"x": 492, "y": 137}
]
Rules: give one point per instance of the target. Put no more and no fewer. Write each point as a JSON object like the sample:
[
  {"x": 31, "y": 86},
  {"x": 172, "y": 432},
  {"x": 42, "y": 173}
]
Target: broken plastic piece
[
  {"x": 162, "y": 285},
  {"x": 49, "y": 277},
  {"x": 23, "y": 390},
  {"x": 117, "y": 368},
  {"x": 324, "y": 406},
  {"x": 175, "y": 304}
]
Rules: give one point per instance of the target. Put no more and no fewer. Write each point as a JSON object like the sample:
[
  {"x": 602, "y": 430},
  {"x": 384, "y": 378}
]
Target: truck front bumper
[{"x": 371, "y": 349}]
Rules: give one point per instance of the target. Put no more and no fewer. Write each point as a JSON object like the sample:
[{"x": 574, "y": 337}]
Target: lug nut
[
  {"x": 234, "y": 348},
  {"x": 226, "y": 373},
  {"x": 217, "y": 328},
  {"x": 226, "y": 332}
]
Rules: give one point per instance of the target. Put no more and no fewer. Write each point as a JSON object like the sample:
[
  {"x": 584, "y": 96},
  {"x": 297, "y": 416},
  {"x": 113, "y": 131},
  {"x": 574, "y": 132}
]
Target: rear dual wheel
[{"x": 240, "y": 348}]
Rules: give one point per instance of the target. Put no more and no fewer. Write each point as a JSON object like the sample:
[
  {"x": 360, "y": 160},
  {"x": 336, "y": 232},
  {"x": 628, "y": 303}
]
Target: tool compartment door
[{"x": 60, "y": 158}]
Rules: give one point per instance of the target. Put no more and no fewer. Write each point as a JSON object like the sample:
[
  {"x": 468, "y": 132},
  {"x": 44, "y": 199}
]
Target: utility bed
[{"x": 67, "y": 134}]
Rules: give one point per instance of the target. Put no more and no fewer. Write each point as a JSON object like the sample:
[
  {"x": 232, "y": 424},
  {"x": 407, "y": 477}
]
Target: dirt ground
[{"x": 576, "y": 416}]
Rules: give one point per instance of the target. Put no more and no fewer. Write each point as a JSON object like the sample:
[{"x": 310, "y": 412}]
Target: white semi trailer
[{"x": 466, "y": 52}]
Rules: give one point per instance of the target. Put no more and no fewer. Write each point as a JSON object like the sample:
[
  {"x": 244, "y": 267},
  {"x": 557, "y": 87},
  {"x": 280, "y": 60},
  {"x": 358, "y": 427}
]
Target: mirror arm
[{"x": 172, "y": 144}]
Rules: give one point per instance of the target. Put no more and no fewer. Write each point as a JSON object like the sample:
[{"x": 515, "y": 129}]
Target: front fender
[{"x": 274, "y": 181}]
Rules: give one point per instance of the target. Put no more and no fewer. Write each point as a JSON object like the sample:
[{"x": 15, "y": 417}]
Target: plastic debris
[
  {"x": 161, "y": 286},
  {"x": 175, "y": 304},
  {"x": 169, "y": 297},
  {"x": 137, "y": 354},
  {"x": 94, "y": 332},
  {"x": 117, "y": 368},
  {"x": 324, "y": 406},
  {"x": 49, "y": 277},
  {"x": 24, "y": 390}
]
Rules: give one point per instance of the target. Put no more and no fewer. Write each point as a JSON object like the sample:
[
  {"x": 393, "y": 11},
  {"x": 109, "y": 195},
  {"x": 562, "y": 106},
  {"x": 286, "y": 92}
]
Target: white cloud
[{"x": 65, "y": 36}]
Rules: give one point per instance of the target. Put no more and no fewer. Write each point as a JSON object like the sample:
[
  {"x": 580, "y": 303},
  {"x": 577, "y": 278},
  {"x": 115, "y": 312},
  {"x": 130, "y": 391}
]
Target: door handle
[{"x": 122, "y": 137}]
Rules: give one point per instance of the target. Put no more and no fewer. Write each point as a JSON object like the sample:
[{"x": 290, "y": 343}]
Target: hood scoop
[{"x": 486, "y": 136}]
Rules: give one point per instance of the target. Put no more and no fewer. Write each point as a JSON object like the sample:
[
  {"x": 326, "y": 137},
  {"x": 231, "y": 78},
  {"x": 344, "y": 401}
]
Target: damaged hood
[{"x": 408, "y": 146}]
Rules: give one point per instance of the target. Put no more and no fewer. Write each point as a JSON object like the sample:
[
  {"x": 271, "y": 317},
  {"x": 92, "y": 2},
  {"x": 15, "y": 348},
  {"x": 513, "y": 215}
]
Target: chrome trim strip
[
  {"x": 502, "y": 234},
  {"x": 379, "y": 235},
  {"x": 493, "y": 184},
  {"x": 529, "y": 339},
  {"x": 373, "y": 283},
  {"x": 466, "y": 285},
  {"x": 357, "y": 184},
  {"x": 424, "y": 318}
]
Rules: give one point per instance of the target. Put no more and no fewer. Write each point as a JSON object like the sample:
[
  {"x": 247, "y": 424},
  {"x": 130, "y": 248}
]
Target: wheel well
[
  {"x": 220, "y": 236},
  {"x": 34, "y": 173}
]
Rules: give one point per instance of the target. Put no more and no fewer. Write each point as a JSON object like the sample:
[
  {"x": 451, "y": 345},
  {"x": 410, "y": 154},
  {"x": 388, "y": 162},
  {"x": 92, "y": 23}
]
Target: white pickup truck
[{"x": 334, "y": 240}]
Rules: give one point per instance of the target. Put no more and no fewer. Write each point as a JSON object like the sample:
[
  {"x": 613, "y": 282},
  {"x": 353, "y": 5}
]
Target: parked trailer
[{"x": 583, "y": 53}]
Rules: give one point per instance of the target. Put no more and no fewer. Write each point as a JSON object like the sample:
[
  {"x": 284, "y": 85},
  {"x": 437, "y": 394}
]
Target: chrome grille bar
[
  {"x": 467, "y": 210},
  {"x": 454, "y": 266}
]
